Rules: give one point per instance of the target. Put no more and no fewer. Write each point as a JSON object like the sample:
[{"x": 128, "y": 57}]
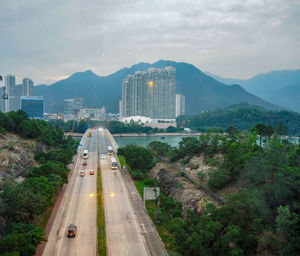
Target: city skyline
[
  {"x": 228, "y": 38},
  {"x": 11, "y": 92}
]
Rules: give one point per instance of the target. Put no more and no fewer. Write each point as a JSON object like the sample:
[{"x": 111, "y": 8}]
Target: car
[
  {"x": 92, "y": 172},
  {"x": 82, "y": 173},
  {"x": 84, "y": 163},
  {"x": 71, "y": 231},
  {"x": 102, "y": 156}
]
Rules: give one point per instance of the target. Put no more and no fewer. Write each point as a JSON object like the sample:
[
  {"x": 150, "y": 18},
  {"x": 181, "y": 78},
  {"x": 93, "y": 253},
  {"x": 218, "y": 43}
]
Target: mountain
[
  {"x": 225, "y": 80},
  {"x": 288, "y": 96},
  {"x": 202, "y": 92},
  {"x": 268, "y": 85}
]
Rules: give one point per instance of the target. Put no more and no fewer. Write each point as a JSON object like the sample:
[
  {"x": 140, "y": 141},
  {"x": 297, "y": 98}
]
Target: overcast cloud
[{"x": 50, "y": 39}]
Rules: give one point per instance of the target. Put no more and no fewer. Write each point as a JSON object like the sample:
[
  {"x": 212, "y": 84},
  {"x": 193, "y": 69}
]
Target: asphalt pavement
[
  {"x": 122, "y": 230},
  {"x": 78, "y": 207},
  {"x": 129, "y": 230}
]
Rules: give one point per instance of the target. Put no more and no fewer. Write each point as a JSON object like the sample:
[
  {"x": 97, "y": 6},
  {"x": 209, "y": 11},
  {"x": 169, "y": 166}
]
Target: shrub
[
  {"x": 218, "y": 178},
  {"x": 212, "y": 161},
  {"x": 150, "y": 182},
  {"x": 194, "y": 166},
  {"x": 137, "y": 174},
  {"x": 201, "y": 175}
]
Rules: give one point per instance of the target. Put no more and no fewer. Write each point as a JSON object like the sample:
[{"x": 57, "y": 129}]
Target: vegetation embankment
[
  {"x": 243, "y": 117},
  {"x": 261, "y": 218},
  {"x": 25, "y": 206},
  {"x": 100, "y": 217}
]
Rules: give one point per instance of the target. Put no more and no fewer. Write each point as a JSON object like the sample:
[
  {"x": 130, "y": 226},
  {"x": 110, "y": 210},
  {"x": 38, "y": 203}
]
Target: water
[{"x": 143, "y": 141}]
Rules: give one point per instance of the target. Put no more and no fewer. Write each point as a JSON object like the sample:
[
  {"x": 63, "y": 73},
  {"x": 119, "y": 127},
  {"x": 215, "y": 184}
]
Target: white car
[
  {"x": 102, "y": 156},
  {"x": 82, "y": 173}
]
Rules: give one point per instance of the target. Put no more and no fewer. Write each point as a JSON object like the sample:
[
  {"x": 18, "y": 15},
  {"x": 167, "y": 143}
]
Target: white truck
[
  {"x": 85, "y": 154},
  {"x": 114, "y": 163}
]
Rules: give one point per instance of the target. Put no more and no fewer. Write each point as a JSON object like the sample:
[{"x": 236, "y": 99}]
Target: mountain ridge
[
  {"x": 270, "y": 85},
  {"x": 202, "y": 92}
]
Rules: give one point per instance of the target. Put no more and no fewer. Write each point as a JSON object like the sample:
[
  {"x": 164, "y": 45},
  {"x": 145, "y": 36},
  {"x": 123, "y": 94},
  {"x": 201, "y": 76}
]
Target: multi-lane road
[
  {"x": 78, "y": 207},
  {"x": 124, "y": 231}
]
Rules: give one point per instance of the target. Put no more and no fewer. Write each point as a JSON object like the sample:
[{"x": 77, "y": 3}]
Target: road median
[{"x": 100, "y": 217}]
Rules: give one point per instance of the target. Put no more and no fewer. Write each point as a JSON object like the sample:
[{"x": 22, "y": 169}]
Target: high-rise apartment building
[
  {"x": 180, "y": 105},
  {"x": 10, "y": 93},
  {"x": 27, "y": 87},
  {"x": 18, "y": 95},
  {"x": 149, "y": 93}
]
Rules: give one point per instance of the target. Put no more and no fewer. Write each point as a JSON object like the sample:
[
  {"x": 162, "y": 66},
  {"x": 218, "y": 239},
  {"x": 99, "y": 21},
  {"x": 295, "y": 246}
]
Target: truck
[
  {"x": 114, "y": 163},
  {"x": 85, "y": 154},
  {"x": 110, "y": 150}
]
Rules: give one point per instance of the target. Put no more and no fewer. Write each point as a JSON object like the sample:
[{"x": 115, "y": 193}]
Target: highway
[
  {"x": 122, "y": 229},
  {"x": 129, "y": 230},
  {"x": 78, "y": 207}
]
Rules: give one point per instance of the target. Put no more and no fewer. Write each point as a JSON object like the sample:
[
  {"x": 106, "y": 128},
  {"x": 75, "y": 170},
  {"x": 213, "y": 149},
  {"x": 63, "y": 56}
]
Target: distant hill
[
  {"x": 243, "y": 117},
  {"x": 289, "y": 97},
  {"x": 268, "y": 86},
  {"x": 225, "y": 80},
  {"x": 201, "y": 91}
]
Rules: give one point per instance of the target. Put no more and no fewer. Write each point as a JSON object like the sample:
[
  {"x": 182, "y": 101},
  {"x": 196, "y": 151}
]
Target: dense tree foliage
[
  {"x": 139, "y": 159},
  {"x": 23, "y": 204},
  {"x": 112, "y": 126},
  {"x": 159, "y": 148},
  {"x": 19, "y": 123},
  {"x": 285, "y": 122},
  {"x": 266, "y": 212}
]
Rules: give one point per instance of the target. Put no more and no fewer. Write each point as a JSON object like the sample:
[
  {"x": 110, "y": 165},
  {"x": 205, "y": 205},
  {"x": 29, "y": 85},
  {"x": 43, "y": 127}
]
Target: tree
[
  {"x": 232, "y": 131},
  {"x": 281, "y": 129},
  {"x": 285, "y": 222},
  {"x": 137, "y": 157},
  {"x": 261, "y": 131},
  {"x": 269, "y": 131},
  {"x": 24, "y": 202},
  {"x": 159, "y": 148}
]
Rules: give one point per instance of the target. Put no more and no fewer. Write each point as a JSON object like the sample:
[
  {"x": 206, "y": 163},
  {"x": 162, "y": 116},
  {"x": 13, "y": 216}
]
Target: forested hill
[{"x": 243, "y": 117}]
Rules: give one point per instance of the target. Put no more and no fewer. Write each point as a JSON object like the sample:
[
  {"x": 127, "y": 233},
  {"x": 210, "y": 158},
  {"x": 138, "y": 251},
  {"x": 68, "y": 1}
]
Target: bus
[
  {"x": 114, "y": 163},
  {"x": 109, "y": 150},
  {"x": 85, "y": 154}
]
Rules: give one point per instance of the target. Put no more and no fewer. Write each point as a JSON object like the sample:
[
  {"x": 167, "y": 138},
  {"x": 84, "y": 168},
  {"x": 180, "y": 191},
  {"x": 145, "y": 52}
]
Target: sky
[{"x": 49, "y": 40}]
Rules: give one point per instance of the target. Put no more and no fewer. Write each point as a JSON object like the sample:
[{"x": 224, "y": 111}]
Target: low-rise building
[
  {"x": 33, "y": 106},
  {"x": 96, "y": 114},
  {"x": 154, "y": 123}
]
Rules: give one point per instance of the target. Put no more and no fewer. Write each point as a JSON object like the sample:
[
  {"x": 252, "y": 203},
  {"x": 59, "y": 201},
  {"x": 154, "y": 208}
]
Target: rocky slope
[
  {"x": 182, "y": 182},
  {"x": 16, "y": 155}
]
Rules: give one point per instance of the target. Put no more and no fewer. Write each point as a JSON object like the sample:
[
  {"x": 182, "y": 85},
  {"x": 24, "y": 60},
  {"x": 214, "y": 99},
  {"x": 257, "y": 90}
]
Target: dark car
[{"x": 71, "y": 230}]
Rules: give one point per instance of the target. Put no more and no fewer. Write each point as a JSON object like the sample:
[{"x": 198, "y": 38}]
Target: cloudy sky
[{"x": 48, "y": 40}]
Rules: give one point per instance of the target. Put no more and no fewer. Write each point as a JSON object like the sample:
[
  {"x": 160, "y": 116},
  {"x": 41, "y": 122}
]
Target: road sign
[{"x": 151, "y": 193}]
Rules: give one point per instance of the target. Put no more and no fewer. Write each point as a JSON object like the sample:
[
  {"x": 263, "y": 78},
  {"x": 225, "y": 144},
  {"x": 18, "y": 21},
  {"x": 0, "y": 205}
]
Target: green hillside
[{"x": 243, "y": 117}]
